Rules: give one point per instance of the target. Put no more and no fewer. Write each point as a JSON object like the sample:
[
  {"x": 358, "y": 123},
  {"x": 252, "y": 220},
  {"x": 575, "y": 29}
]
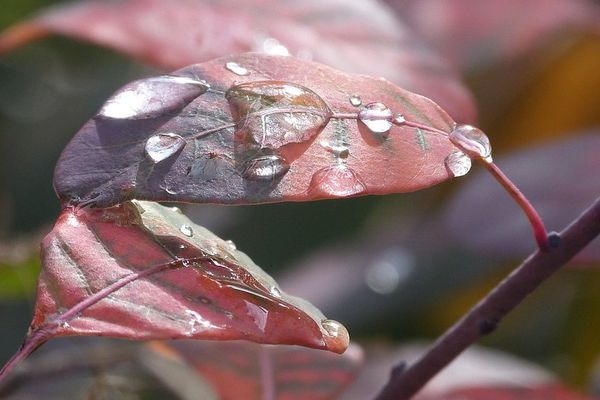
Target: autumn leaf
[
  {"x": 255, "y": 129},
  {"x": 144, "y": 271},
  {"x": 174, "y": 33}
]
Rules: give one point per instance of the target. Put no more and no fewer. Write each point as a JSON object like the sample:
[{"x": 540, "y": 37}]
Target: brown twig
[{"x": 485, "y": 316}]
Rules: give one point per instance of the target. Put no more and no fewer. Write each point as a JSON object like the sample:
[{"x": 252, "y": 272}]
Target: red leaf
[
  {"x": 260, "y": 129},
  {"x": 358, "y": 37},
  {"x": 144, "y": 271},
  {"x": 475, "y": 34},
  {"x": 243, "y": 370},
  {"x": 556, "y": 177}
]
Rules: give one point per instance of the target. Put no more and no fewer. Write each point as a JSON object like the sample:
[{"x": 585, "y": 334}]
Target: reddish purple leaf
[
  {"x": 360, "y": 37},
  {"x": 559, "y": 180},
  {"x": 474, "y": 33},
  {"x": 144, "y": 271},
  {"x": 243, "y": 370},
  {"x": 260, "y": 129}
]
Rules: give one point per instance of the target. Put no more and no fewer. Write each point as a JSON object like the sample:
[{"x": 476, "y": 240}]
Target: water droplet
[
  {"x": 336, "y": 336},
  {"x": 266, "y": 168},
  {"x": 152, "y": 97},
  {"x": 176, "y": 210},
  {"x": 231, "y": 245},
  {"x": 377, "y": 117},
  {"x": 186, "y": 230},
  {"x": 236, "y": 68},
  {"x": 399, "y": 119},
  {"x": 336, "y": 181},
  {"x": 332, "y": 328},
  {"x": 458, "y": 163},
  {"x": 275, "y": 291},
  {"x": 388, "y": 270},
  {"x": 472, "y": 141},
  {"x": 271, "y": 114},
  {"x": 274, "y": 47},
  {"x": 161, "y": 146},
  {"x": 355, "y": 100}
]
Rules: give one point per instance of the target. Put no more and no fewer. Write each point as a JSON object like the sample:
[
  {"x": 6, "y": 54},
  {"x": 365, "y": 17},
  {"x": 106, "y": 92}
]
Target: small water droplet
[
  {"x": 377, "y": 117},
  {"x": 176, "y": 210},
  {"x": 161, "y": 146},
  {"x": 275, "y": 291},
  {"x": 274, "y": 47},
  {"x": 458, "y": 163},
  {"x": 236, "y": 68},
  {"x": 271, "y": 114},
  {"x": 186, "y": 230},
  {"x": 472, "y": 141},
  {"x": 231, "y": 245},
  {"x": 336, "y": 181},
  {"x": 355, "y": 100},
  {"x": 266, "y": 168},
  {"x": 399, "y": 119}
]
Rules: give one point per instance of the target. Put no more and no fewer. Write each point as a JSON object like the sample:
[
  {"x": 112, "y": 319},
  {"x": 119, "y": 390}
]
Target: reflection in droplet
[
  {"x": 472, "y": 141},
  {"x": 377, "y": 117},
  {"x": 266, "y": 168},
  {"x": 147, "y": 98},
  {"x": 275, "y": 291},
  {"x": 271, "y": 114},
  {"x": 161, "y": 146},
  {"x": 458, "y": 163},
  {"x": 355, "y": 100},
  {"x": 236, "y": 68},
  {"x": 389, "y": 270},
  {"x": 274, "y": 47},
  {"x": 336, "y": 181},
  {"x": 186, "y": 230}
]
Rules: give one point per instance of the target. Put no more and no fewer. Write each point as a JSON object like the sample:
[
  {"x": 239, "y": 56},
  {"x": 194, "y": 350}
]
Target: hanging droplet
[
  {"x": 355, "y": 100},
  {"x": 458, "y": 163},
  {"x": 336, "y": 181},
  {"x": 152, "y": 97},
  {"x": 266, "y": 168},
  {"x": 275, "y": 291},
  {"x": 335, "y": 335},
  {"x": 236, "y": 68},
  {"x": 271, "y": 114},
  {"x": 186, "y": 230},
  {"x": 472, "y": 141},
  {"x": 161, "y": 146},
  {"x": 377, "y": 117}
]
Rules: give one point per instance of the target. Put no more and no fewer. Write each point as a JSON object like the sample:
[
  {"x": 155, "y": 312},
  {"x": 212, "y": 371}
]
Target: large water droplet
[
  {"x": 336, "y": 336},
  {"x": 472, "y": 141},
  {"x": 271, "y": 114},
  {"x": 377, "y": 117},
  {"x": 161, "y": 146},
  {"x": 336, "y": 181},
  {"x": 458, "y": 163},
  {"x": 266, "y": 168},
  {"x": 186, "y": 230},
  {"x": 152, "y": 97},
  {"x": 355, "y": 100},
  {"x": 236, "y": 68}
]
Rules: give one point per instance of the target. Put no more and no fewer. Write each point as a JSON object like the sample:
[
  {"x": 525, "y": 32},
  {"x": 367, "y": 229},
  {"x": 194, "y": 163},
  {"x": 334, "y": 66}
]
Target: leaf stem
[
  {"x": 537, "y": 225},
  {"x": 484, "y": 317}
]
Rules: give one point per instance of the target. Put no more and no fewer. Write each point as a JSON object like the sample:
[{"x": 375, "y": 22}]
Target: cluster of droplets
[{"x": 471, "y": 143}]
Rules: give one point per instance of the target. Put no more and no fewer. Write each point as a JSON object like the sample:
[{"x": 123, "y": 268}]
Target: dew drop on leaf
[
  {"x": 472, "y": 141},
  {"x": 147, "y": 98},
  {"x": 355, "y": 100},
  {"x": 333, "y": 328},
  {"x": 266, "y": 168},
  {"x": 275, "y": 291},
  {"x": 399, "y": 119},
  {"x": 161, "y": 146},
  {"x": 458, "y": 163},
  {"x": 377, "y": 117},
  {"x": 231, "y": 245},
  {"x": 236, "y": 68},
  {"x": 336, "y": 181},
  {"x": 271, "y": 114},
  {"x": 186, "y": 230}
]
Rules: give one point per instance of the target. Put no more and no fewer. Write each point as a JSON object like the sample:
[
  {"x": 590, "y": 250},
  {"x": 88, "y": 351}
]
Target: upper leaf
[
  {"x": 144, "y": 271},
  {"x": 253, "y": 129},
  {"x": 354, "y": 36}
]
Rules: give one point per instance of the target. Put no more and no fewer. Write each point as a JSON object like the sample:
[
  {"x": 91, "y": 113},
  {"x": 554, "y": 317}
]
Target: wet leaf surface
[
  {"x": 175, "y": 33},
  {"x": 246, "y": 370},
  {"x": 557, "y": 177},
  {"x": 285, "y": 131},
  {"x": 476, "y": 34},
  {"x": 144, "y": 271}
]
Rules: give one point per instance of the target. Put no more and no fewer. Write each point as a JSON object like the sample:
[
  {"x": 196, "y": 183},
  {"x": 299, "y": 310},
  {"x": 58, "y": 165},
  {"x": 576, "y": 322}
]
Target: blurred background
[{"x": 395, "y": 268}]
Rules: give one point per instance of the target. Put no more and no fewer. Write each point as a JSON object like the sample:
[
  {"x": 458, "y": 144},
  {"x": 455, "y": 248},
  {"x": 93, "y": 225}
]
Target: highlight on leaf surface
[
  {"x": 270, "y": 129},
  {"x": 144, "y": 271},
  {"x": 174, "y": 33}
]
